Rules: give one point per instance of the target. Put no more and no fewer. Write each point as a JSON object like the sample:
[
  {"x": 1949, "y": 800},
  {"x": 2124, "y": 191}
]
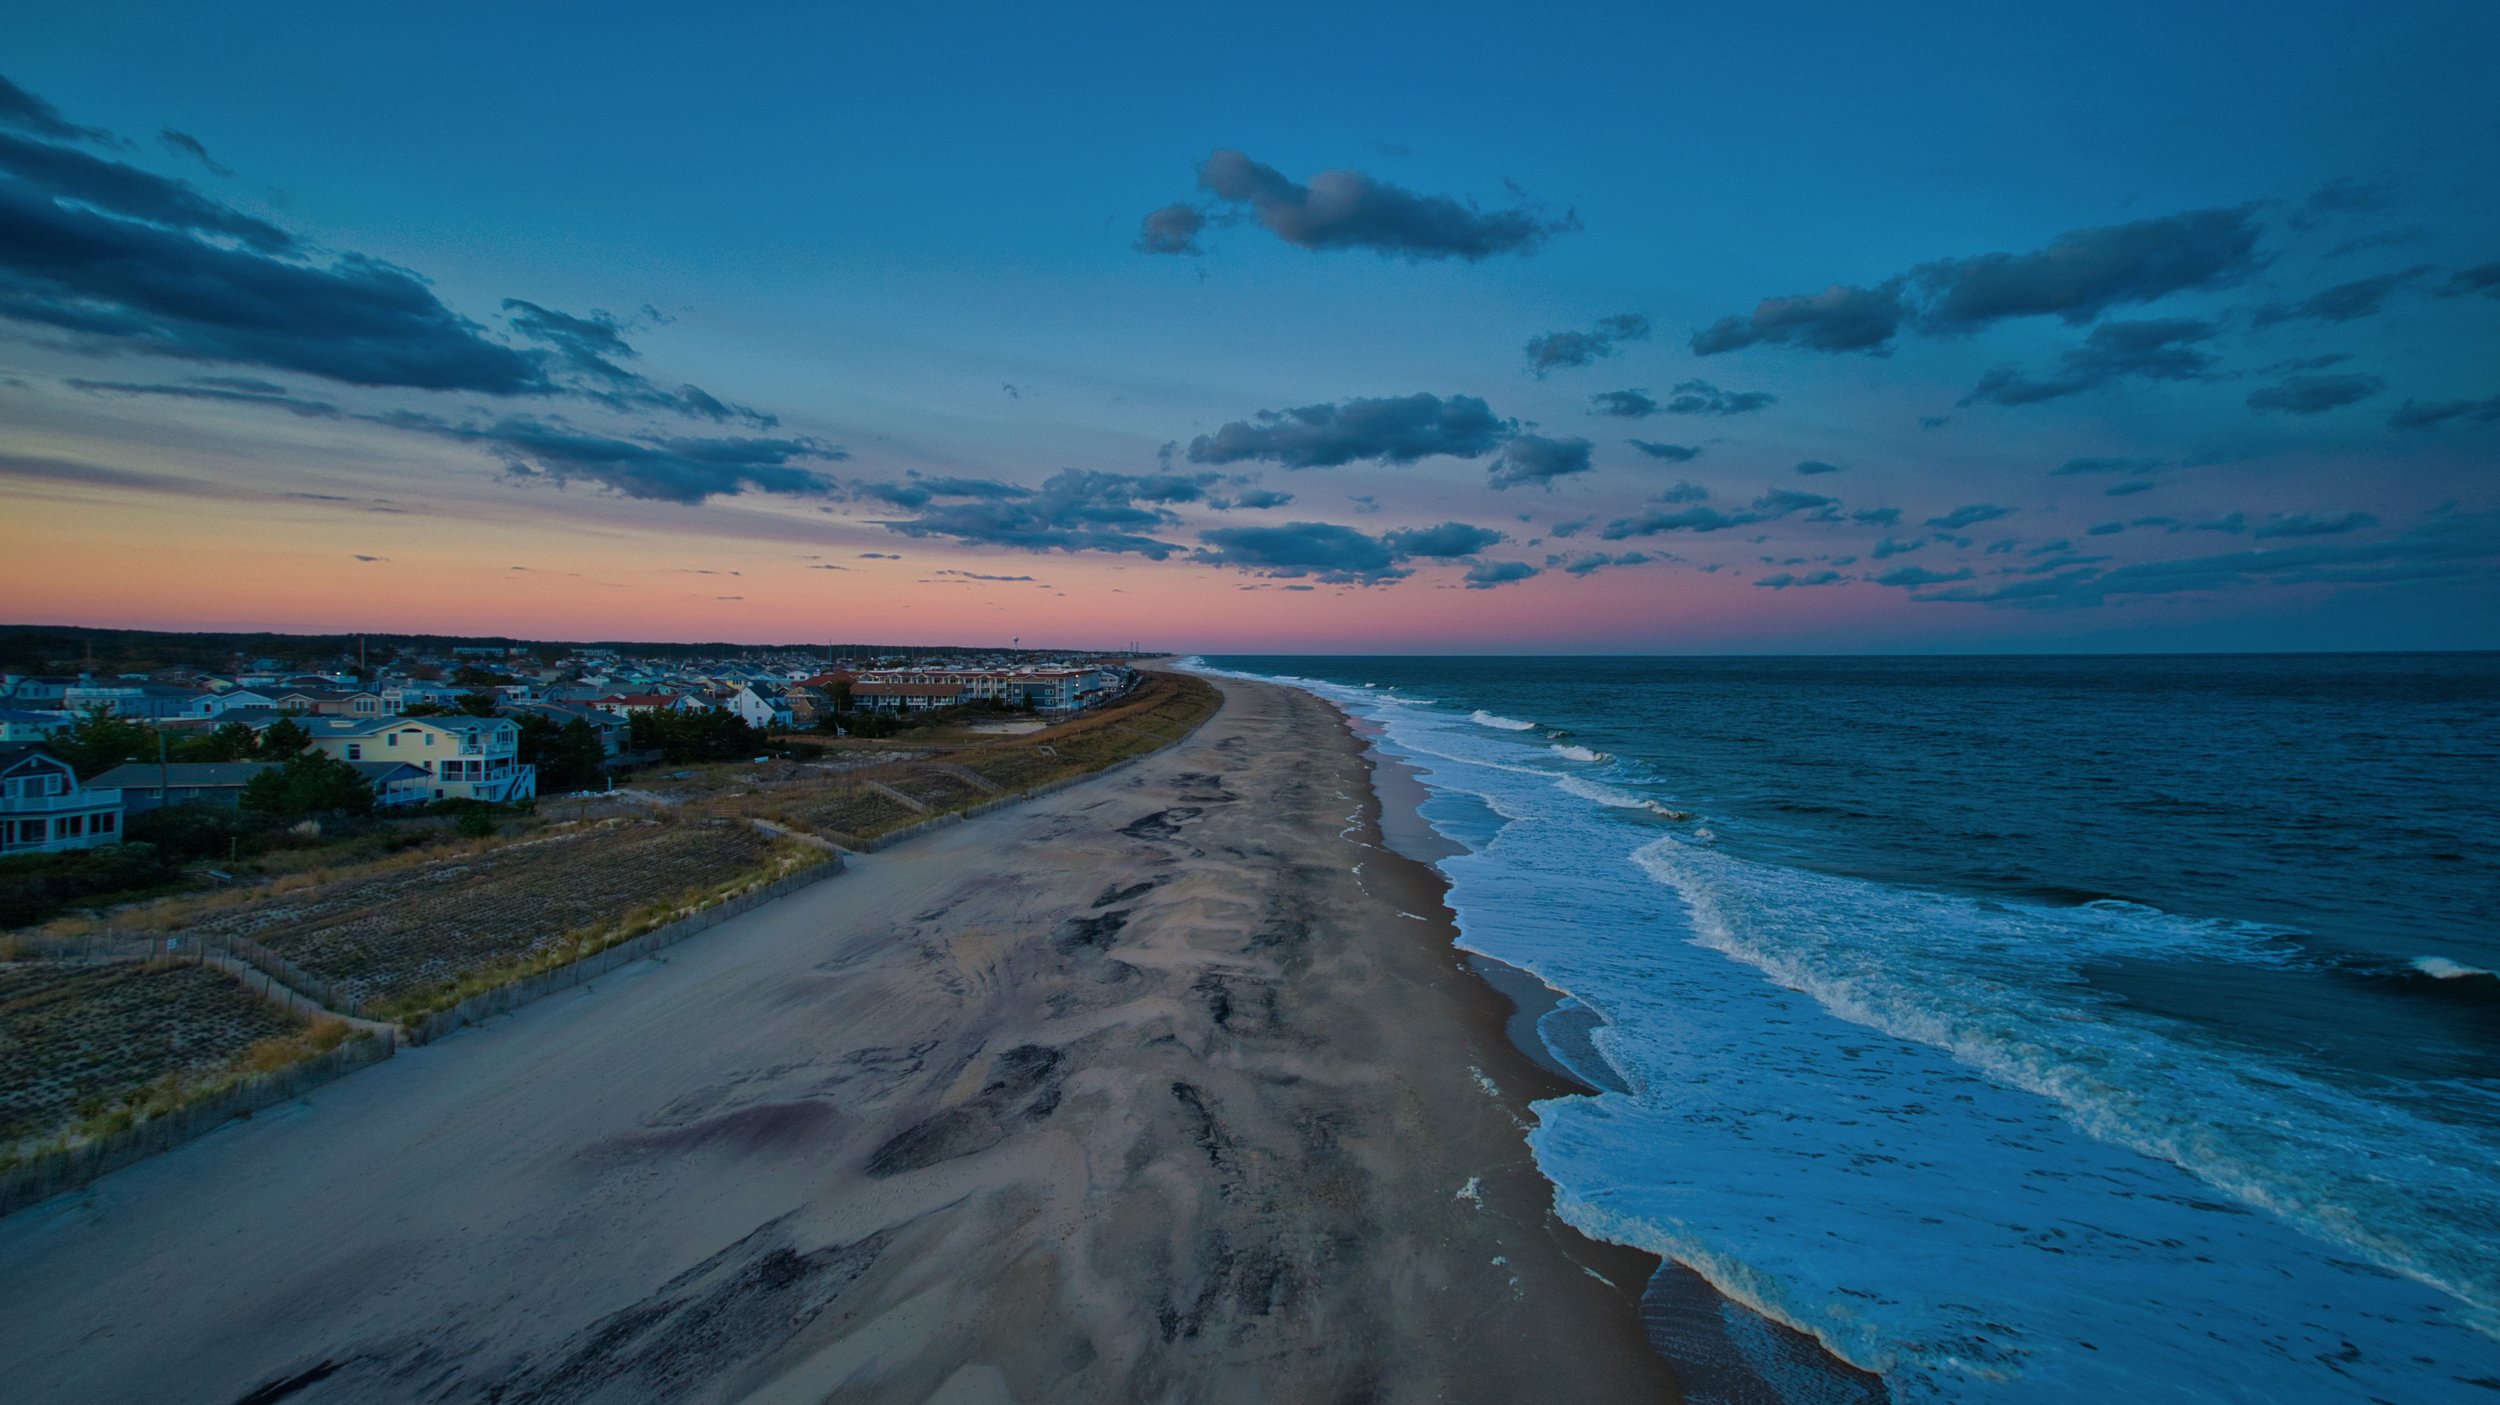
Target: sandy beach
[{"x": 1168, "y": 1086}]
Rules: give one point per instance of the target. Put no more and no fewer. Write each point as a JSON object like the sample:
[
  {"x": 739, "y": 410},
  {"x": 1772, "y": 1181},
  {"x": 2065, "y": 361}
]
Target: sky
[{"x": 1344, "y": 328}]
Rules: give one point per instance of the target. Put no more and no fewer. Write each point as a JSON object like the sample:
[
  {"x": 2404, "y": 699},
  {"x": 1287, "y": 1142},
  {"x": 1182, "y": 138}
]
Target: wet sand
[{"x": 1168, "y": 1086}]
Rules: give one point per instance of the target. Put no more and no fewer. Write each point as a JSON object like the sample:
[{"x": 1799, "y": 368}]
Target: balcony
[{"x": 53, "y": 804}]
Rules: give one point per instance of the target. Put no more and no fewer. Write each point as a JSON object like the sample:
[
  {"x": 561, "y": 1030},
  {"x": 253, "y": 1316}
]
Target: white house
[
  {"x": 43, "y": 808},
  {"x": 466, "y": 758},
  {"x": 764, "y": 705},
  {"x": 21, "y": 725}
]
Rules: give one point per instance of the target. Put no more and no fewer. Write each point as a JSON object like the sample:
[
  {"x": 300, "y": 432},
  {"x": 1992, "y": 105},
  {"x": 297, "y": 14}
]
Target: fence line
[{"x": 51, "y": 1172}]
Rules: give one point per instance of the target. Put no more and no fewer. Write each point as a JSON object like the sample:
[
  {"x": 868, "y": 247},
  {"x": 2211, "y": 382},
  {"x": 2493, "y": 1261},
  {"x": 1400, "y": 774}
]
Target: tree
[
  {"x": 231, "y": 742},
  {"x": 697, "y": 736},
  {"x": 567, "y": 757},
  {"x": 309, "y": 783},
  {"x": 478, "y": 704},
  {"x": 99, "y": 741},
  {"x": 284, "y": 738}
]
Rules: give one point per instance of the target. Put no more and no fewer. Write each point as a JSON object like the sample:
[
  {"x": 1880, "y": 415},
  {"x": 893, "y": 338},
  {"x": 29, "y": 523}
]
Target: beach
[{"x": 1166, "y": 1086}]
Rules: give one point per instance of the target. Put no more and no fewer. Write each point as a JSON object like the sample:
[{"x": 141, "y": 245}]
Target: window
[
  {"x": 70, "y": 826},
  {"x": 105, "y": 824},
  {"x": 394, "y": 738},
  {"x": 355, "y": 751}
]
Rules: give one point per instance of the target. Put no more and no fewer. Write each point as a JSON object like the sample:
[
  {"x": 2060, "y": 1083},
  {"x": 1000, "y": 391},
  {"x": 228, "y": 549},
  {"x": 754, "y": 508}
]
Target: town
[{"x": 465, "y": 724}]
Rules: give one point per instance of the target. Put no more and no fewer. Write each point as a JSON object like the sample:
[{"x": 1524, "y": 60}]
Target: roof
[
  {"x": 17, "y": 753},
  {"x": 906, "y": 690},
  {"x": 181, "y": 775}
]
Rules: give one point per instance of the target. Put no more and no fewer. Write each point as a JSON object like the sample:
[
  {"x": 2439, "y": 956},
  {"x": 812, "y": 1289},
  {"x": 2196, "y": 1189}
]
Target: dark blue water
[{"x": 2150, "y": 998}]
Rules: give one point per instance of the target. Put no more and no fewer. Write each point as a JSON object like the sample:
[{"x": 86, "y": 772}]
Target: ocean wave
[
  {"x": 1614, "y": 799},
  {"x": 1569, "y": 752},
  {"x": 2440, "y": 968},
  {"x": 1995, "y": 985},
  {"x": 1499, "y": 723}
]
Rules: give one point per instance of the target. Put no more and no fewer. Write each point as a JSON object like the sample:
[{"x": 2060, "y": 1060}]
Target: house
[
  {"x": 325, "y": 702},
  {"x": 29, "y": 690},
  {"x": 763, "y": 705},
  {"x": 464, "y": 758},
  {"x": 627, "y": 704},
  {"x": 234, "y": 700},
  {"x": 612, "y": 730},
  {"x": 21, "y": 725},
  {"x": 43, "y": 808},
  {"x": 905, "y": 697},
  {"x": 147, "y": 786},
  {"x": 148, "y": 701}
]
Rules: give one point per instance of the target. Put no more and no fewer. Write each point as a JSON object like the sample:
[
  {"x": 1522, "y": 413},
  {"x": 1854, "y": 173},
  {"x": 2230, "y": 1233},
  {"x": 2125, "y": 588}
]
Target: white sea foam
[
  {"x": 1570, "y": 752},
  {"x": 1483, "y": 718},
  {"x": 1615, "y": 799},
  {"x": 2441, "y": 968}
]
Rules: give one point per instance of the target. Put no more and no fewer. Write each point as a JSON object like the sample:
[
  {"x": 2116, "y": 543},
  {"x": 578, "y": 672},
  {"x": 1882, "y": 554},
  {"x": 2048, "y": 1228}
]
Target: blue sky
[{"x": 2230, "y": 267}]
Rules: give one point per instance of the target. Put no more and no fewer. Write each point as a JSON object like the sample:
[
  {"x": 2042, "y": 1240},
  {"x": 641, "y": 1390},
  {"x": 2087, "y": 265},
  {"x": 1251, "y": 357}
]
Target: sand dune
[{"x": 1139, "y": 1091}]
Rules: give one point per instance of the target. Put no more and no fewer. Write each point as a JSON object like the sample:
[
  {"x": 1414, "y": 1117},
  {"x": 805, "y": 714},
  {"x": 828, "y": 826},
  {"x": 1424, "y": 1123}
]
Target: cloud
[
  {"x": 2104, "y": 465},
  {"x": 2482, "y": 278},
  {"x": 1535, "y": 459},
  {"x": 1485, "y": 575},
  {"x": 1598, "y": 561},
  {"x": 1771, "y": 506},
  {"x": 1623, "y": 404},
  {"x": 65, "y": 174},
  {"x": 231, "y": 389},
  {"x": 1318, "y": 549},
  {"x": 1970, "y": 515},
  {"x": 2157, "y": 349},
  {"x": 1396, "y": 429},
  {"x": 2342, "y": 196},
  {"x": 2302, "y": 524},
  {"x": 1811, "y": 467},
  {"x": 2429, "y": 414},
  {"x": 25, "y": 112},
  {"x": 79, "y": 473},
  {"x": 663, "y": 469},
  {"x": 1888, "y": 548},
  {"x": 1685, "y": 491},
  {"x": 185, "y": 144},
  {"x": 2310, "y": 395},
  {"x": 590, "y": 348},
  {"x": 879, "y": 556},
  {"x": 1262, "y": 498},
  {"x": 1839, "y": 318},
  {"x": 360, "y": 556},
  {"x": 1558, "y": 350},
  {"x": 978, "y": 576},
  {"x": 1672, "y": 453},
  {"x": 1783, "y": 580},
  {"x": 1703, "y": 398},
  {"x": 1450, "y": 539},
  {"x": 1350, "y": 210},
  {"x": 2132, "y": 485},
  {"x": 1074, "y": 510},
  {"x": 1174, "y": 229},
  {"x": 1876, "y": 516},
  {"x": 2085, "y": 272},
  {"x": 2345, "y": 302},
  {"x": 2445, "y": 544},
  {"x": 1920, "y": 575},
  {"x": 2076, "y": 276}
]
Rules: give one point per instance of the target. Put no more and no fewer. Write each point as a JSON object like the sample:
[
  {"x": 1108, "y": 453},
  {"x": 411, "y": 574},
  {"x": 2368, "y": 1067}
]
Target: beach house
[
  {"x": 464, "y": 758},
  {"x": 43, "y": 808}
]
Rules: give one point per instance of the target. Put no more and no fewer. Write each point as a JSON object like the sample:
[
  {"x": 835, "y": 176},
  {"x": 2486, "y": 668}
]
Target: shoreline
[{"x": 1145, "y": 1088}]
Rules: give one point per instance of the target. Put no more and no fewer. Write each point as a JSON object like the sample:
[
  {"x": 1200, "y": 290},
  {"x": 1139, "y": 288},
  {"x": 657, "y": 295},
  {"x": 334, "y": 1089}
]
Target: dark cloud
[
  {"x": 61, "y": 173},
  {"x": 1812, "y": 467},
  {"x": 1318, "y": 549},
  {"x": 590, "y": 347},
  {"x": 2085, "y": 272},
  {"x": 1934, "y": 421},
  {"x": 25, "y": 112},
  {"x": 879, "y": 556},
  {"x": 1533, "y": 459},
  {"x": 1262, "y": 498},
  {"x": 1970, "y": 514},
  {"x": 1839, "y": 318},
  {"x": 663, "y": 469},
  {"x": 1876, "y": 516},
  {"x": 1450, "y": 539},
  {"x": 1888, "y": 548},
  {"x": 1703, "y": 398},
  {"x": 1350, "y": 210},
  {"x": 1920, "y": 575},
  {"x": 1624, "y": 404},
  {"x": 2445, "y": 544},
  {"x": 1684, "y": 491},
  {"x": 79, "y": 473},
  {"x": 2310, "y": 395},
  {"x": 1073, "y": 510},
  {"x": 1486, "y": 575},
  {"x": 1672, "y": 453},
  {"x": 2075, "y": 466},
  {"x": 2165, "y": 348},
  {"x": 185, "y": 144},
  {"x": 1557, "y": 350},
  {"x": 2429, "y": 414},
  {"x": 2077, "y": 276},
  {"x": 2482, "y": 278},
  {"x": 232, "y": 389},
  {"x": 1395, "y": 429},
  {"x": 2132, "y": 485},
  {"x": 978, "y": 576},
  {"x": 1771, "y": 506},
  {"x": 2345, "y": 302},
  {"x": 1598, "y": 561},
  {"x": 2303, "y": 524},
  {"x": 1782, "y": 580},
  {"x": 2344, "y": 195},
  {"x": 360, "y": 556},
  {"x": 1173, "y": 229},
  {"x": 2105, "y": 529}
]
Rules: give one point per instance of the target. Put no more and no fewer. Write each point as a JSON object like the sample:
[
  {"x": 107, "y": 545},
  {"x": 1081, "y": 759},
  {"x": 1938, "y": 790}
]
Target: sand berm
[{"x": 1151, "y": 1089}]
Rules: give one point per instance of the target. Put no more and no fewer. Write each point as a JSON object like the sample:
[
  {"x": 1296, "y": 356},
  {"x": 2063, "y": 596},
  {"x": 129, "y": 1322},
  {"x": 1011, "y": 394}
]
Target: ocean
[{"x": 2023, "y": 1029}]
